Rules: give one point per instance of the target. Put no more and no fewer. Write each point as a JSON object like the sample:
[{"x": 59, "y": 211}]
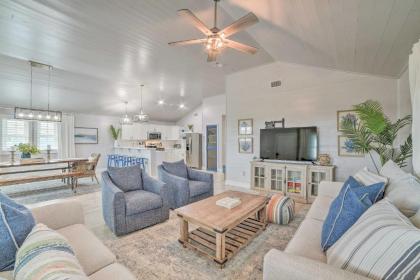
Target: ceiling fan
[{"x": 217, "y": 39}]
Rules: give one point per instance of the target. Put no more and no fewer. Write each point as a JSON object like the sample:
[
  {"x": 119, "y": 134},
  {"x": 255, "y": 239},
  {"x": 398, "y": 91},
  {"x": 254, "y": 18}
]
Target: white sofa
[
  {"x": 67, "y": 218},
  {"x": 303, "y": 258}
]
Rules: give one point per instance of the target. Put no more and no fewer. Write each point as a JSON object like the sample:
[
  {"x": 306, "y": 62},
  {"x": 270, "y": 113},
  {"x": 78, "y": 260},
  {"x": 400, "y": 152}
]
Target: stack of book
[{"x": 228, "y": 202}]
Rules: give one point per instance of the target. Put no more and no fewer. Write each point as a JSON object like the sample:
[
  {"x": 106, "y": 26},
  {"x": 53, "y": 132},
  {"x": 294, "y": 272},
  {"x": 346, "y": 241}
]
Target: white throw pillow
[
  {"x": 46, "y": 254},
  {"x": 392, "y": 171},
  {"x": 382, "y": 244},
  {"x": 368, "y": 178},
  {"x": 403, "y": 191}
]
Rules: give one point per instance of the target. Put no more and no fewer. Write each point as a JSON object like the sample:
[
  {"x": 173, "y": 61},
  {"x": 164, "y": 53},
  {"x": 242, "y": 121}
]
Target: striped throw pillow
[
  {"x": 368, "y": 178},
  {"x": 44, "y": 255},
  {"x": 280, "y": 209},
  {"x": 382, "y": 244}
]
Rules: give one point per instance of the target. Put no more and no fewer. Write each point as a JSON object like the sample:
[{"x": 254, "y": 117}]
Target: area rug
[
  {"x": 155, "y": 253},
  {"x": 43, "y": 191}
]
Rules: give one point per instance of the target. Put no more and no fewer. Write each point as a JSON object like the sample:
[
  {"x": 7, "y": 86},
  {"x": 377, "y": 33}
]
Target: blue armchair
[
  {"x": 186, "y": 184},
  {"x": 132, "y": 200}
]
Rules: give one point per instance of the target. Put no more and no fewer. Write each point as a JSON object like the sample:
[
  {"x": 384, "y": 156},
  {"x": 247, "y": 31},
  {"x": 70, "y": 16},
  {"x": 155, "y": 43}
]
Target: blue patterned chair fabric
[
  {"x": 186, "y": 184},
  {"x": 133, "y": 208}
]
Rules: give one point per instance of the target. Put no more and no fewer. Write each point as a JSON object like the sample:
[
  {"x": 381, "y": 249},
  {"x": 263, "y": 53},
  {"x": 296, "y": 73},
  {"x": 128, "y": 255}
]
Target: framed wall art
[
  {"x": 346, "y": 115},
  {"x": 246, "y": 145},
  {"x": 245, "y": 127},
  {"x": 85, "y": 135},
  {"x": 346, "y": 147}
]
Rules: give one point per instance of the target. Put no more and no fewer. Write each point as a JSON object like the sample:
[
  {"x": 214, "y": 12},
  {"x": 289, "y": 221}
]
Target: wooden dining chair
[{"x": 86, "y": 169}]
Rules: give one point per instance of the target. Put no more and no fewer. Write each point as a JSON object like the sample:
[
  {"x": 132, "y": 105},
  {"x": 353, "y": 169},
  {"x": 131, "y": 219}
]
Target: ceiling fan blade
[
  {"x": 239, "y": 25},
  {"x": 212, "y": 55},
  {"x": 187, "y": 42},
  {"x": 240, "y": 47},
  {"x": 195, "y": 21}
]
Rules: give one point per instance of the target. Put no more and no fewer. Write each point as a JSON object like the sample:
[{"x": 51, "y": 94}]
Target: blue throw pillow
[
  {"x": 16, "y": 222},
  {"x": 375, "y": 192},
  {"x": 344, "y": 211}
]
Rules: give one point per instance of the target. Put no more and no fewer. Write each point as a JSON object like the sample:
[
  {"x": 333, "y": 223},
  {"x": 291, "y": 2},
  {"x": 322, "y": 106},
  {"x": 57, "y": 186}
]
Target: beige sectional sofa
[
  {"x": 98, "y": 262},
  {"x": 303, "y": 258}
]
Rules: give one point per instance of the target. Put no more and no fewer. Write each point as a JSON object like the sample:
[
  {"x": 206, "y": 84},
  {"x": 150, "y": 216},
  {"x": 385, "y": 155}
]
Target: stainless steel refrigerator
[{"x": 193, "y": 150}]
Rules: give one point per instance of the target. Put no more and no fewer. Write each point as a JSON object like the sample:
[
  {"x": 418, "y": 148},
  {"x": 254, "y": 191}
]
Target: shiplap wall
[{"x": 309, "y": 96}]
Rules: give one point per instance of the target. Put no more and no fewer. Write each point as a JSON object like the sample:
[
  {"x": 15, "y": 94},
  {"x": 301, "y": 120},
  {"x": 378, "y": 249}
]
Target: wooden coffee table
[{"x": 222, "y": 232}]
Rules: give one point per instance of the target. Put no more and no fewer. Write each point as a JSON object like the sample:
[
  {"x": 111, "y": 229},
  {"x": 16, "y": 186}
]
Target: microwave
[{"x": 154, "y": 136}]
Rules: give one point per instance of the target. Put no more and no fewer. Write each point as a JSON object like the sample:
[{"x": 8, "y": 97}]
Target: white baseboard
[{"x": 237, "y": 184}]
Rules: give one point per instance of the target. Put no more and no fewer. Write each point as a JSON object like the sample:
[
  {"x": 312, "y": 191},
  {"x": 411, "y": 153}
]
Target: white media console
[{"x": 299, "y": 180}]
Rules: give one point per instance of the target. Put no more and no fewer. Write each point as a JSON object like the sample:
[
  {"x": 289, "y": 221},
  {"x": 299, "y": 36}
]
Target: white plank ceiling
[
  {"x": 102, "y": 50},
  {"x": 367, "y": 36}
]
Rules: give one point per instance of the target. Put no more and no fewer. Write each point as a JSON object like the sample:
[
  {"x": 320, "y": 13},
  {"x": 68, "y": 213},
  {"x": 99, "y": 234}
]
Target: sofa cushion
[
  {"x": 112, "y": 272},
  {"x": 198, "y": 188},
  {"x": 344, "y": 211},
  {"x": 178, "y": 168},
  {"x": 306, "y": 243},
  {"x": 382, "y": 244},
  {"x": 46, "y": 254},
  {"x": 141, "y": 201},
  {"x": 16, "y": 222},
  {"x": 367, "y": 177},
  {"x": 91, "y": 253},
  {"x": 126, "y": 178},
  {"x": 319, "y": 208}
]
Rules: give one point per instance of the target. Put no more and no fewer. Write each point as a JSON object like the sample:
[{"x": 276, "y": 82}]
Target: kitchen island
[{"x": 154, "y": 156}]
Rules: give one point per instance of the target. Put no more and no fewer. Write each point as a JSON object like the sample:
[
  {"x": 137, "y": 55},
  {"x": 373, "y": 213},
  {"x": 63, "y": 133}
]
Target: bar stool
[
  {"x": 143, "y": 163},
  {"x": 121, "y": 161},
  {"x": 112, "y": 160}
]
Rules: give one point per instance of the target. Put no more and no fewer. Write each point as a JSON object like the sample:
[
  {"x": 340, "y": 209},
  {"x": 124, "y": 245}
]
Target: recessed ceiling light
[
  {"x": 161, "y": 102},
  {"x": 181, "y": 106}
]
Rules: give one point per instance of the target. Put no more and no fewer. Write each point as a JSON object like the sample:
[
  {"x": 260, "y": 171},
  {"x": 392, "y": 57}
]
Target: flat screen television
[{"x": 297, "y": 144}]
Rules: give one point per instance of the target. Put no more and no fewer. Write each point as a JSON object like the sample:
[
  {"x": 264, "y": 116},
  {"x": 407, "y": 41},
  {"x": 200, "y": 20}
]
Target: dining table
[{"x": 11, "y": 173}]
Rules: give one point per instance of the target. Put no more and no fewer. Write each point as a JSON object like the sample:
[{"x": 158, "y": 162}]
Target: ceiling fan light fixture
[{"x": 217, "y": 39}]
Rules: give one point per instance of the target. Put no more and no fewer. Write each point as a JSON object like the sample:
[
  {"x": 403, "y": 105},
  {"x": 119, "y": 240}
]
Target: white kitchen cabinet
[
  {"x": 139, "y": 131},
  {"x": 127, "y": 132}
]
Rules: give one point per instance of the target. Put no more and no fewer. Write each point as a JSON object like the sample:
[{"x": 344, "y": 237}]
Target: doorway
[{"x": 211, "y": 147}]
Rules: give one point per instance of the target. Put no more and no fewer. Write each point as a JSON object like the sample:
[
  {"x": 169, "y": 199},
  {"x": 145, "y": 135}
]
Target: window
[
  {"x": 13, "y": 133},
  {"x": 47, "y": 135}
]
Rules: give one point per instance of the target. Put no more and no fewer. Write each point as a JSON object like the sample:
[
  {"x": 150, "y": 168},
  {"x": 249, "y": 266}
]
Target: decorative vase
[
  {"x": 116, "y": 144},
  {"x": 25, "y": 155},
  {"x": 324, "y": 159}
]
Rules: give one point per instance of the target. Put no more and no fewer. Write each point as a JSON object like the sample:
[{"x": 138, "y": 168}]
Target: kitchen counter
[{"x": 154, "y": 157}]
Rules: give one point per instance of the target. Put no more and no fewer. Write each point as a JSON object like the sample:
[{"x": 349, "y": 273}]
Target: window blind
[{"x": 14, "y": 132}]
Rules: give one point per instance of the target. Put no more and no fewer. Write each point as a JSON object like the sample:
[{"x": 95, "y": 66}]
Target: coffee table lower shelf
[{"x": 204, "y": 240}]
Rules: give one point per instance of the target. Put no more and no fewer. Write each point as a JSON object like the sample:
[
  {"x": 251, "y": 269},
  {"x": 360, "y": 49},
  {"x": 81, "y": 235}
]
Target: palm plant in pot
[
  {"x": 376, "y": 133},
  {"x": 27, "y": 150},
  {"x": 115, "y": 132}
]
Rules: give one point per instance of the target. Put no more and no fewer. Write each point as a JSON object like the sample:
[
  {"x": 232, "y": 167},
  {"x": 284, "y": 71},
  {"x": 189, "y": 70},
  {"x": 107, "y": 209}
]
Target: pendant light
[
  {"x": 38, "y": 114},
  {"x": 141, "y": 117},
  {"x": 126, "y": 119}
]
